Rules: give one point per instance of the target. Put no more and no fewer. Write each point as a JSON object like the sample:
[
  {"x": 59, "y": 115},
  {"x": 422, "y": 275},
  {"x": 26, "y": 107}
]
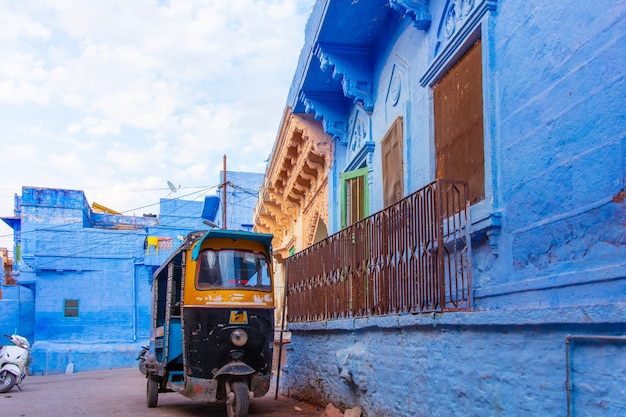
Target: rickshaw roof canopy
[
  {"x": 199, "y": 236},
  {"x": 263, "y": 238}
]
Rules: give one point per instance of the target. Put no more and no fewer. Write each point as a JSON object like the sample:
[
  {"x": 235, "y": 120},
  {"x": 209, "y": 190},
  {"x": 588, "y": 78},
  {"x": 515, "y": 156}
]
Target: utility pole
[{"x": 224, "y": 195}]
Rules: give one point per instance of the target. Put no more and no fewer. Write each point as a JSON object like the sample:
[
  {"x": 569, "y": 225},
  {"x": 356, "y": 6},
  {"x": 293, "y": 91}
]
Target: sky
[{"x": 118, "y": 97}]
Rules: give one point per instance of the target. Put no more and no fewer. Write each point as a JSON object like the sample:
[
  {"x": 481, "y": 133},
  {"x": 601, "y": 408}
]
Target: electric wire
[{"x": 113, "y": 239}]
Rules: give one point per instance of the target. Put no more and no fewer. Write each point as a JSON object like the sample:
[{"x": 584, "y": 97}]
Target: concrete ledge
[
  {"x": 592, "y": 314},
  {"x": 48, "y": 358},
  {"x": 568, "y": 279}
]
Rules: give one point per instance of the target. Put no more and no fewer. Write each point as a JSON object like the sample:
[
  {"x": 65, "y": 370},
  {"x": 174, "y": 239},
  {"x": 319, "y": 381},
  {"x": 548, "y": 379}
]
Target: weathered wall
[
  {"x": 558, "y": 88},
  {"x": 69, "y": 252},
  {"x": 242, "y": 193},
  {"x": 461, "y": 364},
  {"x": 549, "y": 239},
  {"x": 17, "y": 312}
]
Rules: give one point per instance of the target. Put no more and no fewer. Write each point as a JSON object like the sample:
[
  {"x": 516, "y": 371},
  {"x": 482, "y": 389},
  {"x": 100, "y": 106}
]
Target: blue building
[
  {"x": 84, "y": 275},
  {"x": 523, "y": 102},
  {"x": 242, "y": 193}
]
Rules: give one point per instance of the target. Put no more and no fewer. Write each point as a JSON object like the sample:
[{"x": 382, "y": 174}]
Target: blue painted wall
[
  {"x": 102, "y": 260},
  {"x": 505, "y": 363},
  {"x": 549, "y": 239},
  {"x": 17, "y": 310},
  {"x": 242, "y": 193}
]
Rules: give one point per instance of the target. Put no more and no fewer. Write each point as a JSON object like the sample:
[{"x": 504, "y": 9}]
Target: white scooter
[{"x": 13, "y": 360}]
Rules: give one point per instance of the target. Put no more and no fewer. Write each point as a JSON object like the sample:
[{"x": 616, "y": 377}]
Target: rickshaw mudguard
[
  {"x": 235, "y": 368},
  {"x": 201, "y": 389},
  {"x": 260, "y": 384}
]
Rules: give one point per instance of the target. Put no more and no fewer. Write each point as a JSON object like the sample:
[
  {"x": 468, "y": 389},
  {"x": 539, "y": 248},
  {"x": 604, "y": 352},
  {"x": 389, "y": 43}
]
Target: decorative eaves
[
  {"x": 352, "y": 66},
  {"x": 331, "y": 109},
  {"x": 416, "y": 10}
]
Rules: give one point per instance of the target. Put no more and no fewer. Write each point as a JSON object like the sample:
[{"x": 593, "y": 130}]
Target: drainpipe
[
  {"x": 569, "y": 340},
  {"x": 134, "y": 295}
]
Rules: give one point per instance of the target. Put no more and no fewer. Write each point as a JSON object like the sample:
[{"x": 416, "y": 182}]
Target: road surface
[{"x": 122, "y": 392}]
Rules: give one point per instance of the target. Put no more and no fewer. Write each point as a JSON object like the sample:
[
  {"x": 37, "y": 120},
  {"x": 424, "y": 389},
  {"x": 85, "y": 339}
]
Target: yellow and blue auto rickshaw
[{"x": 213, "y": 320}]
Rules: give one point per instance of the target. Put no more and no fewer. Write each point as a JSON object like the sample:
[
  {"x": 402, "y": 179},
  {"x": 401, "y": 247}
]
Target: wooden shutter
[
  {"x": 393, "y": 164},
  {"x": 458, "y": 102}
]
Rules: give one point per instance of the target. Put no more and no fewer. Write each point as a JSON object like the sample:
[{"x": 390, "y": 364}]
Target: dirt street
[{"x": 122, "y": 392}]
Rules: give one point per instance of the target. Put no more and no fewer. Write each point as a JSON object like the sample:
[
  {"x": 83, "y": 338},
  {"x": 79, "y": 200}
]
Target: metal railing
[{"x": 411, "y": 257}]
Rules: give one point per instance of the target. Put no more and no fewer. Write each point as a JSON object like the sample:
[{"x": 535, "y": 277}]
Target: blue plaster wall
[
  {"x": 17, "y": 310},
  {"x": 549, "y": 240},
  {"x": 241, "y": 197},
  {"x": 461, "y": 364},
  {"x": 180, "y": 214},
  {"x": 101, "y": 260}
]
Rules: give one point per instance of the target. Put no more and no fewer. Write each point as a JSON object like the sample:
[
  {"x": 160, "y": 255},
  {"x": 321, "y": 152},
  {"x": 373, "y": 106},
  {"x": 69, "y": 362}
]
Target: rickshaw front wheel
[
  {"x": 152, "y": 392},
  {"x": 239, "y": 407}
]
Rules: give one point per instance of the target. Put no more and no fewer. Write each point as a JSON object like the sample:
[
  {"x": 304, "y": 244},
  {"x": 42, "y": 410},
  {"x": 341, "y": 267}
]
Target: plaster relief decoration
[
  {"x": 397, "y": 85},
  {"x": 360, "y": 142},
  {"x": 458, "y": 25},
  {"x": 456, "y": 14}
]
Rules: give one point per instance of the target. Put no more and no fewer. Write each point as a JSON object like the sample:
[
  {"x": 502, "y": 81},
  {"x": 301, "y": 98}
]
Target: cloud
[
  {"x": 116, "y": 97},
  {"x": 16, "y": 24},
  {"x": 94, "y": 126}
]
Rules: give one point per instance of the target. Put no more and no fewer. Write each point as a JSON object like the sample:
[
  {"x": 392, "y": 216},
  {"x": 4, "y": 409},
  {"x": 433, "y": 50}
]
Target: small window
[
  {"x": 354, "y": 204},
  {"x": 393, "y": 164},
  {"x": 70, "y": 308}
]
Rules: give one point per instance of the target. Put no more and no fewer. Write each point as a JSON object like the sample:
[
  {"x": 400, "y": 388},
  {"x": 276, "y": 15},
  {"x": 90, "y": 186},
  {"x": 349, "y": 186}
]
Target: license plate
[{"x": 238, "y": 317}]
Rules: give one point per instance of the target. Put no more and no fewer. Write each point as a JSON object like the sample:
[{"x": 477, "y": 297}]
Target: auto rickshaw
[{"x": 213, "y": 320}]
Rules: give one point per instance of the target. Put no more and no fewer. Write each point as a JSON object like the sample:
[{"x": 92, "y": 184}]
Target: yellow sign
[{"x": 238, "y": 317}]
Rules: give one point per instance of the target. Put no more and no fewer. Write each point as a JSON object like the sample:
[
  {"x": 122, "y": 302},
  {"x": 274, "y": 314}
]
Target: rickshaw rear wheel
[
  {"x": 239, "y": 407},
  {"x": 152, "y": 392}
]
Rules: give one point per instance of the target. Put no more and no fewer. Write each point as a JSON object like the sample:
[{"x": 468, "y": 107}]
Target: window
[
  {"x": 70, "y": 308},
  {"x": 354, "y": 204},
  {"x": 321, "y": 232},
  {"x": 458, "y": 107},
  {"x": 393, "y": 164},
  {"x": 233, "y": 269}
]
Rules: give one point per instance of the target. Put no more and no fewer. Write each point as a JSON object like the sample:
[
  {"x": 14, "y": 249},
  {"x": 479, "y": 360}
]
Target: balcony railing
[{"x": 411, "y": 257}]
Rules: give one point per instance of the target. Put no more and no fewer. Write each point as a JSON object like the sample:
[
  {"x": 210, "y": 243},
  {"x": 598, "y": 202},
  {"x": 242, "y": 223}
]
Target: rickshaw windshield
[{"x": 228, "y": 268}]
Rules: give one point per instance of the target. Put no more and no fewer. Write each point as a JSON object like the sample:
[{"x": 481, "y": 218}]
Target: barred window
[{"x": 70, "y": 308}]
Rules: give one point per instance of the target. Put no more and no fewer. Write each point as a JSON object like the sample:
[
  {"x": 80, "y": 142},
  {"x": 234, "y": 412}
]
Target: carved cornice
[
  {"x": 331, "y": 109},
  {"x": 281, "y": 252},
  {"x": 274, "y": 209},
  {"x": 298, "y": 167},
  {"x": 353, "y": 67},
  {"x": 416, "y": 10}
]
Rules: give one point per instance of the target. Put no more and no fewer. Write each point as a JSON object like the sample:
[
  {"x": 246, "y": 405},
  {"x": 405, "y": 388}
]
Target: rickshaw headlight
[{"x": 239, "y": 337}]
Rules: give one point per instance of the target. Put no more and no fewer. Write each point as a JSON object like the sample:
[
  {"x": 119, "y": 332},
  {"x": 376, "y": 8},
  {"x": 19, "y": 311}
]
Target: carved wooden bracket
[
  {"x": 353, "y": 66},
  {"x": 416, "y": 10},
  {"x": 298, "y": 168},
  {"x": 331, "y": 109}
]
